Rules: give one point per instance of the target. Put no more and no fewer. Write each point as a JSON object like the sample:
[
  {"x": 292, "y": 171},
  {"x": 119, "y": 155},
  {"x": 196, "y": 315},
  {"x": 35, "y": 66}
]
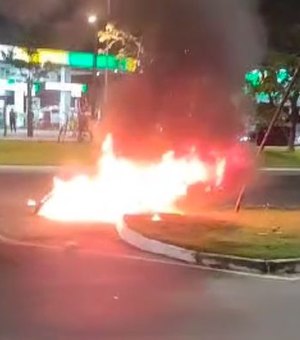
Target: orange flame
[
  {"x": 124, "y": 187},
  {"x": 156, "y": 218}
]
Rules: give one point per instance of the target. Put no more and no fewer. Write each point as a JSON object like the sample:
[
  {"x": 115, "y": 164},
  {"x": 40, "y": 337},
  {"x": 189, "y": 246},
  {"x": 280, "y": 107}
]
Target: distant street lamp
[{"x": 92, "y": 19}]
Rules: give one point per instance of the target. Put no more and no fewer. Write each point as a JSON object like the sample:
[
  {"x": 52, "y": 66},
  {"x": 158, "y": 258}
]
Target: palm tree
[{"x": 31, "y": 71}]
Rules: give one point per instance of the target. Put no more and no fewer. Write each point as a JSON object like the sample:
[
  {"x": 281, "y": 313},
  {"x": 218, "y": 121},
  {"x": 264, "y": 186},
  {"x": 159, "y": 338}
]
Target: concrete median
[{"x": 214, "y": 261}]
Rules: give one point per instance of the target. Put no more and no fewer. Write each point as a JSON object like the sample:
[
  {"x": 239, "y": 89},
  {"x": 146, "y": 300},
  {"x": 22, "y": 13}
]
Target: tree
[
  {"x": 289, "y": 62},
  {"x": 121, "y": 43},
  {"x": 272, "y": 81},
  {"x": 32, "y": 71}
]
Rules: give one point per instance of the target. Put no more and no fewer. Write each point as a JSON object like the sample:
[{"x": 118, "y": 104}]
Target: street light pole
[
  {"x": 106, "y": 80},
  {"x": 95, "y": 83},
  {"x": 93, "y": 21},
  {"x": 108, "y": 8}
]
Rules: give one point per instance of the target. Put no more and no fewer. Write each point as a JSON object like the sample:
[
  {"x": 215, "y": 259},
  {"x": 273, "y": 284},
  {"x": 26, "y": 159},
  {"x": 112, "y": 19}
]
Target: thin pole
[
  {"x": 106, "y": 80},
  {"x": 108, "y": 8},
  {"x": 4, "y": 118},
  {"x": 95, "y": 83},
  {"x": 263, "y": 142}
]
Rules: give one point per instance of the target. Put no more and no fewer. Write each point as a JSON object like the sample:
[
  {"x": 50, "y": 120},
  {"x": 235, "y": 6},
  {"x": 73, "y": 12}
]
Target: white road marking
[
  {"x": 13, "y": 242},
  {"x": 146, "y": 258},
  {"x": 56, "y": 168},
  {"x": 193, "y": 266},
  {"x": 280, "y": 169}
]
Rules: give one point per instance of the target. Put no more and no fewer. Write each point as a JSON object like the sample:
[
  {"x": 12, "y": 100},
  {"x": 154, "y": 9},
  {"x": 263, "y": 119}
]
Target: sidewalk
[
  {"x": 38, "y": 135},
  {"x": 52, "y": 136}
]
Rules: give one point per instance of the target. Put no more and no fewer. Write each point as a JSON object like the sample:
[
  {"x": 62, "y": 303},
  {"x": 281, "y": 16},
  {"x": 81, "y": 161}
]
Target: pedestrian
[
  {"x": 12, "y": 120},
  {"x": 81, "y": 125}
]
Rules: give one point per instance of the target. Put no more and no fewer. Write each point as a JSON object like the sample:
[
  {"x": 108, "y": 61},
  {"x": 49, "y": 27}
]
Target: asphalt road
[
  {"x": 275, "y": 189},
  {"x": 105, "y": 289}
]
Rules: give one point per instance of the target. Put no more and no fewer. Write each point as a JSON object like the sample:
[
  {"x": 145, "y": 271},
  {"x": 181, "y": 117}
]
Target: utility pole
[
  {"x": 3, "y": 98},
  {"x": 93, "y": 21},
  {"x": 106, "y": 79}
]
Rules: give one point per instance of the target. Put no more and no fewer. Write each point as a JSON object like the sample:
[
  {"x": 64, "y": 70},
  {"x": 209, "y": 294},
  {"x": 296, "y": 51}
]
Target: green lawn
[
  {"x": 266, "y": 234},
  {"x": 52, "y": 153},
  {"x": 281, "y": 158},
  {"x": 46, "y": 153}
]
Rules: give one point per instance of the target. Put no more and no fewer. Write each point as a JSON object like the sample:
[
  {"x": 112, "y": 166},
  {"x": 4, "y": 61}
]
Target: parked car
[
  {"x": 278, "y": 137},
  {"x": 49, "y": 118}
]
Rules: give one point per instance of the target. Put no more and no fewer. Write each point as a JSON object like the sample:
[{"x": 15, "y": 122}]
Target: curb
[
  {"x": 30, "y": 168},
  {"x": 43, "y": 169},
  {"x": 213, "y": 261},
  {"x": 281, "y": 171},
  {"x": 55, "y": 168}
]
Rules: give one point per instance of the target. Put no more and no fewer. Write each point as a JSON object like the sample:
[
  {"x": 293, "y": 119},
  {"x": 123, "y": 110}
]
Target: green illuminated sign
[
  {"x": 110, "y": 62},
  {"x": 85, "y": 88},
  {"x": 81, "y": 60}
]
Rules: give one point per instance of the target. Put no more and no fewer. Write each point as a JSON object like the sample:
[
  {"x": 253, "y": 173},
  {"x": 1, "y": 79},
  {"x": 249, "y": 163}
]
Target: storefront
[{"x": 56, "y": 95}]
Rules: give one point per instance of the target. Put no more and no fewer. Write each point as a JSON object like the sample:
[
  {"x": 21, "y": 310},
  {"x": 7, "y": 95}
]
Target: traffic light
[{"x": 37, "y": 88}]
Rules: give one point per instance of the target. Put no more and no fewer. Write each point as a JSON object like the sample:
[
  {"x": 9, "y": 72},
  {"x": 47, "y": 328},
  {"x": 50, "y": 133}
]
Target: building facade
[{"x": 56, "y": 95}]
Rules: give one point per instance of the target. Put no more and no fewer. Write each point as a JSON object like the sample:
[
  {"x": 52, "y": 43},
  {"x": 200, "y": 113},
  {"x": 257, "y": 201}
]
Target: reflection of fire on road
[{"x": 122, "y": 186}]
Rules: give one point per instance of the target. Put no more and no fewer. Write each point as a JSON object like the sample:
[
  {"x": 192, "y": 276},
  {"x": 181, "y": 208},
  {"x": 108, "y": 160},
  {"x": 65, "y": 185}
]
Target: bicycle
[
  {"x": 70, "y": 126},
  {"x": 78, "y": 130}
]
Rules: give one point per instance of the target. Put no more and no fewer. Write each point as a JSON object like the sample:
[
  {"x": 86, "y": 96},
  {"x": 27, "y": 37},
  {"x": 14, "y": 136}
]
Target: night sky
[{"x": 62, "y": 23}]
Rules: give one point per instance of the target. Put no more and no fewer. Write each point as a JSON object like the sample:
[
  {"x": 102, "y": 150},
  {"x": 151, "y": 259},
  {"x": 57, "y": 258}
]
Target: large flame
[{"x": 124, "y": 187}]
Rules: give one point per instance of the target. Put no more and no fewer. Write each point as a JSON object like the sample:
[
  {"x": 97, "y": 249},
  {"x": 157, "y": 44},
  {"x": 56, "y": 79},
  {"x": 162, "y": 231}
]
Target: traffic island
[{"x": 263, "y": 241}]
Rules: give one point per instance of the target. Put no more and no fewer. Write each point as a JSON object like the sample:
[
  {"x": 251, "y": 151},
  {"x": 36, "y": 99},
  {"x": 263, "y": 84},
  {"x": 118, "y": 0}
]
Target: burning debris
[
  {"x": 156, "y": 218},
  {"x": 123, "y": 186},
  {"x": 189, "y": 93}
]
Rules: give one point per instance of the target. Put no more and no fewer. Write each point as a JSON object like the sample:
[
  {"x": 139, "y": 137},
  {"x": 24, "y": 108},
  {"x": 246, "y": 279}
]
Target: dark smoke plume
[
  {"x": 52, "y": 23},
  {"x": 197, "y": 52}
]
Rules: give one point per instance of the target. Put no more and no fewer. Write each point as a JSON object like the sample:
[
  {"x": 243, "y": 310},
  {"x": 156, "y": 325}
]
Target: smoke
[
  {"x": 57, "y": 23},
  {"x": 30, "y": 10},
  {"x": 237, "y": 36},
  {"x": 199, "y": 51}
]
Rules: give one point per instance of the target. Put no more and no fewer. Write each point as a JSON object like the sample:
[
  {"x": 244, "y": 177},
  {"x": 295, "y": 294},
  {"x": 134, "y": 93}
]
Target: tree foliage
[
  {"x": 273, "y": 84},
  {"x": 121, "y": 43},
  {"x": 31, "y": 70}
]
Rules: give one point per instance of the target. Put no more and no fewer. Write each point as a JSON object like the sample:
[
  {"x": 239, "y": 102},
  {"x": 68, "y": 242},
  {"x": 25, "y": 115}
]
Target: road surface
[
  {"x": 104, "y": 289},
  {"x": 276, "y": 189}
]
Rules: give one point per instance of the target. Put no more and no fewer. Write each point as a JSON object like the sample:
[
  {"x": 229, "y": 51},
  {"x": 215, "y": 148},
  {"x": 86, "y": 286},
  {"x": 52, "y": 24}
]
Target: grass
[
  {"x": 52, "y": 153},
  {"x": 265, "y": 234},
  {"x": 46, "y": 153},
  {"x": 281, "y": 158}
]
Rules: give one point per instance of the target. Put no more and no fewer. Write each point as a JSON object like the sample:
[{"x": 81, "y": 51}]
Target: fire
[
  {"x": 156, "y": 218},
  {"x": 122, "y": 187}
]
